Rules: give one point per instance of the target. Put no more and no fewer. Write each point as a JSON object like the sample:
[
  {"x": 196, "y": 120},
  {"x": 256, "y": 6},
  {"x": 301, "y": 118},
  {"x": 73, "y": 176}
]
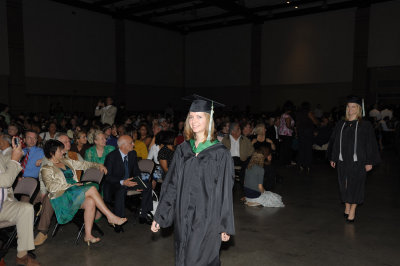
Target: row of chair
[{"x": 29, "y": 187}]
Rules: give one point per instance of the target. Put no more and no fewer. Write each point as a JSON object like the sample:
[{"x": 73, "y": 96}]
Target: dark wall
[{"x": 70, "y": 54}]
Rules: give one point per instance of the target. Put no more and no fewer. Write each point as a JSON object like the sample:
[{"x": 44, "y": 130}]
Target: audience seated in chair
[
  {"x": 13, "y": 210},
  {"x": 67, "y": 196},
  {"x": 80, "y": 144},
  {"x": 240, "y": 147},
  {"x": 122, "y": 166},
  {"x": 5, "y": 145},
  {"x": 98, "y": 152}
]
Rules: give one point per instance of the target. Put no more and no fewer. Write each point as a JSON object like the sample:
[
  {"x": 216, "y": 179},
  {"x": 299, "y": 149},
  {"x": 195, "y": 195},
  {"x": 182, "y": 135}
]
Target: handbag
[{"x": 155, "y": 203}]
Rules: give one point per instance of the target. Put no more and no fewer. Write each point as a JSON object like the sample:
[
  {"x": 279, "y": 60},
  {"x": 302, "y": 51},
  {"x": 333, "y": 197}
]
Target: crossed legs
[{"x": 93, "y": 201}]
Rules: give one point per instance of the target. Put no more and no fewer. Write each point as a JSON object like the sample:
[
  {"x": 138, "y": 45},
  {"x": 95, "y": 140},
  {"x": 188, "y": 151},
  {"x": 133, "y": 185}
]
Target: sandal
[{"x": 93, "y": 240}]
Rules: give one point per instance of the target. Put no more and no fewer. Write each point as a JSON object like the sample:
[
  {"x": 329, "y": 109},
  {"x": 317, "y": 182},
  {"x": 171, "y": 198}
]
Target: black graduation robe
[
  {"x": 196, "y": 196},
  {"x": 352, "y": 174}
]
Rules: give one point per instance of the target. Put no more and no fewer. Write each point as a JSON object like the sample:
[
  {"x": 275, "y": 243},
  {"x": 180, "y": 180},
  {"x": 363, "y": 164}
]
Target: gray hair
[
  {"x": 59, "y": 135},
  {"x": 122, "y": 141},
  {"x": 232, "y": 126},
  {"x": 7, "y": 138}
]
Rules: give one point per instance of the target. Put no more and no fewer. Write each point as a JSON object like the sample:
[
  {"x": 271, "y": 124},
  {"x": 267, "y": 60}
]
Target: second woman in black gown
[{"x": 353, "y": 151}]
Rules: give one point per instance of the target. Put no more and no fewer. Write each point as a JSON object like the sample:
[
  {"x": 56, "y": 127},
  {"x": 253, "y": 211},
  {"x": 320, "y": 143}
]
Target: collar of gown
[{"x": 202, "y": 145}]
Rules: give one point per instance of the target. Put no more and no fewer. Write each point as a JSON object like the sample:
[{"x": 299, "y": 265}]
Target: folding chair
[
  {"x": 26, "y": 186},
  {"x": 145, "y": 166},
  {"x": 91, "y": 175}
]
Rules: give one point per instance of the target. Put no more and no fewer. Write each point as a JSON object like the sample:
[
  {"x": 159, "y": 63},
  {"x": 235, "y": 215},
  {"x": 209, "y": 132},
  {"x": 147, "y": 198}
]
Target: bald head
[{"x": 125, "y": 143}]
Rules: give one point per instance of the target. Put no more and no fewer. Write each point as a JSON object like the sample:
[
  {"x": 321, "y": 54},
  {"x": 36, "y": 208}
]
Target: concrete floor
[{"x": 310, "y": 230}]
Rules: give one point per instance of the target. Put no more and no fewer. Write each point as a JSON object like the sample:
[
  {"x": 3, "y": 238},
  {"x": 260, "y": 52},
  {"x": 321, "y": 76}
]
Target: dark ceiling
[{"x": 187, "y": 16}]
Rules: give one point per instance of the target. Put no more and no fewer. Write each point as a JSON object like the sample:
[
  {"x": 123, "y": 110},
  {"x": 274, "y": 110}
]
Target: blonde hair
[
  {"x": 359, "y": 113},
  {"x": 258, "y": 130},
  {"x": 189, "y": 134},
  {"x": 97, "y": 133},
  {"x": 256, "y": 159}
]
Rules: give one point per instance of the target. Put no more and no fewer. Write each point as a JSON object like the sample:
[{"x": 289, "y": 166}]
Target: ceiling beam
[
  {"x": 176, "y": 10},
  {"x": 143, "y": 7},
  {"x": 286, "y": 14},
  {"x": 283, "y": 5},
  {"x": 106, "y": 2},
  {"x": 233, "y": 7},
  {"x": 215, "y": 17},
  {"x": 106, "y": 11}
]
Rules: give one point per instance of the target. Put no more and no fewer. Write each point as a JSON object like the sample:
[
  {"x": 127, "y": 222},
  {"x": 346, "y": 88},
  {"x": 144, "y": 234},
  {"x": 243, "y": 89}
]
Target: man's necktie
[
  {"x": 25, "y": 162},
  {"x": 126, "y": 174}
]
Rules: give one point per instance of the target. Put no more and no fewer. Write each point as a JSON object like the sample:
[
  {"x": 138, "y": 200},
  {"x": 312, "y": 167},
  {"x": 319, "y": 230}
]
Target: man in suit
[
  {"x": 122, "y": 166},
  {"x": 240, "y": 147},
  {"x": 107, "y": 112},
  {"x": 12, "y": 210}
]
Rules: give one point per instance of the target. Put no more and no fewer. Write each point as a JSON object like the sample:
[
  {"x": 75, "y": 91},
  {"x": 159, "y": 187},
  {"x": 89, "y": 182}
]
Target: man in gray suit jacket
[{"x": 12, "y": 210}]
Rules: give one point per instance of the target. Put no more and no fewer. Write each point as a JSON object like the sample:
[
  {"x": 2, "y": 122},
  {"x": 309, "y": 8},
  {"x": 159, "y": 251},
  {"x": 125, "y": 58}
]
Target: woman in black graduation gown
[
  {"x": 196, "y": 195},
  {"x": 353, "y": 151}
]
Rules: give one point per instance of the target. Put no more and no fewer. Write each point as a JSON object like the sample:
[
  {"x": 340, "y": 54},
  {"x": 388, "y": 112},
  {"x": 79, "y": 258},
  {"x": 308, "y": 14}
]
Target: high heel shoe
[
  {"x": 121, "y": 222},
  {"x": 92, "y": 240},
  {"x": 350, "y": 221},
  {"x": 345, "y": 215}
]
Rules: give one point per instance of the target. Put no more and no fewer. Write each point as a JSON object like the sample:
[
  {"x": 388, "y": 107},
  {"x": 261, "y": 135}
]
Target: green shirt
[
  {"x": 91, "y": 154},
  {"x": 202, "y": 146}
]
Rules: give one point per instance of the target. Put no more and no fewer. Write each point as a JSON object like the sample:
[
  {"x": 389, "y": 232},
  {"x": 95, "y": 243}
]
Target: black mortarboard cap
[
  {"x": 201, "y": 104},
  {"x": 354, "y": 99},
  {"x": 357, "y": 100}
]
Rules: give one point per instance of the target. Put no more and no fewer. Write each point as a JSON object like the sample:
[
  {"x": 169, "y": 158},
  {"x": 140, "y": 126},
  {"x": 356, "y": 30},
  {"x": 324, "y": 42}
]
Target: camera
[{"x": 16, "y": 141}]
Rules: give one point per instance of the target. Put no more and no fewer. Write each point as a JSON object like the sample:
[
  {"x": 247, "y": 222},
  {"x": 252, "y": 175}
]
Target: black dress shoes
[
  {"x": 118, "y": 229},
  {"x": 145, "y": 220}
]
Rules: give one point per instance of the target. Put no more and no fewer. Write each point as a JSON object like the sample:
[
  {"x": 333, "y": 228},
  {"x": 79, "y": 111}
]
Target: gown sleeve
[
  {"x": 226, "y": 223},
  {"x": 372, "y": 150},
  {"x": 333, "y": 152},
  {"x": 165, "y": 212}
]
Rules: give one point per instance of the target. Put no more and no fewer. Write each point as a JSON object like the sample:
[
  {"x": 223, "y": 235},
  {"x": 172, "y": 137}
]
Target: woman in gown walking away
[
  {"x": 196, "y": 195},
  {"x": 353, "y": 151}
]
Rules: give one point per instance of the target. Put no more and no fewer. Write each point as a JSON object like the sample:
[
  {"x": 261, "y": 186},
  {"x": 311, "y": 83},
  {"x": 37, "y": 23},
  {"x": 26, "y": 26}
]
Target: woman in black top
[
  {"x": 261, "y": 139},
  {"x": 353, "y": 149},
  {"x": 167, "y": 149}
]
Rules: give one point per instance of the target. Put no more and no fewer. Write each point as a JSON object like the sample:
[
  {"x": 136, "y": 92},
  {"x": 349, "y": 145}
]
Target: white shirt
[
  {"x": 376, "y": 114},
  {"x": 276, "y": 132},
  {"x": 46, "y": 136},
  {"x": 235, "y": 147},
  {"x": 153, "y": 153},
  {"x": 386, "y": 112},
  {"x": 123, "y": 155}
]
